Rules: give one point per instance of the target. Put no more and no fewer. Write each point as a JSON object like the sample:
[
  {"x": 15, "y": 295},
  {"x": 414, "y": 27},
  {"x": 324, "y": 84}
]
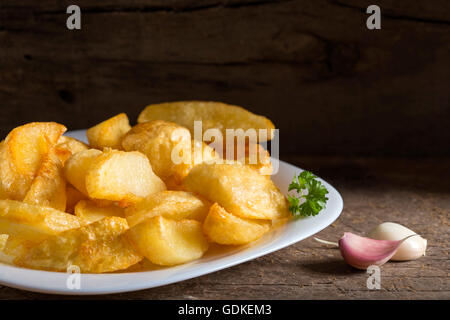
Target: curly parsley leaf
[{"x": 310, "y": 196}]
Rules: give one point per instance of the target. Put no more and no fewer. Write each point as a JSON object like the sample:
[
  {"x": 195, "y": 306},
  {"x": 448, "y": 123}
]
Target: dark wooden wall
[{"x": 328, "y": 83}]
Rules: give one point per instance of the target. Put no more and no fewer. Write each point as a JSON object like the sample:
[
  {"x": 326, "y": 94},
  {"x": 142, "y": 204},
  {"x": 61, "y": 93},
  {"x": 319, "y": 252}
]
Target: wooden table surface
[{"x": 415, "y": 193}]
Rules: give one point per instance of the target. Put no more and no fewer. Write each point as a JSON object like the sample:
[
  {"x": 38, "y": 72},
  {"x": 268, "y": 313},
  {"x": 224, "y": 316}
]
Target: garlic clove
[
  {"x": 411, "y": 249},
  {"x": 361, "y": 252}
]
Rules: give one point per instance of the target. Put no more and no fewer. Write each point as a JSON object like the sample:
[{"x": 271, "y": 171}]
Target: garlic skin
[
  {"x": 361, "y": 252},
  {"x": 411, "y": 249}
]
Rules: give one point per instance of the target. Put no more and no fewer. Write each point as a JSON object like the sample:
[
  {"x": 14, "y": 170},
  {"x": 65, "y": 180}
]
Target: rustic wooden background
[
  {"x": 335, "y": 89},
  {"x": 331, "y": 86}
]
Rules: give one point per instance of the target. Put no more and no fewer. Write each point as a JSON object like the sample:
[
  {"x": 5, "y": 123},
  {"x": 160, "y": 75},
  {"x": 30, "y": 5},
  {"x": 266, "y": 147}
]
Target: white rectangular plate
[{"x": 292, "y": 232}]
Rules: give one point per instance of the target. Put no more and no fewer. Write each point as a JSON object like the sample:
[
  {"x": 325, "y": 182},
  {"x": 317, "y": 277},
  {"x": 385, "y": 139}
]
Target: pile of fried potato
[{"x": 110, "y": 205}]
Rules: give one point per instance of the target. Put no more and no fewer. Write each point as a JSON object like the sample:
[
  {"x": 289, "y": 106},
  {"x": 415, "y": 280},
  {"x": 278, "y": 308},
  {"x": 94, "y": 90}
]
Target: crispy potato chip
[
  {"x": 73, "y": 197},
  {"x": 21, "y": 155},
  {"x": 212, "y": 114},
  {"x": 253, "y": 155},
  {"x": 3, "y": 240},
  {"x": 63, "y": 154},
  {"x": 258, "y": 158},
  {"x": 122, "y": 176},
  {"x": 12, "y": 247},
  {"x": 241, "y": 190},
  {"x": 201, "y": 152},
  {"x": 49, "y": 187},
  {"x": 137, "y": 137},
  {"x": 157, "y": 140},
  {"x": 169, "y": 242},
  {"x": 31, "y": 222},
  {"x": 104, "y": 203},
  {"x": 77, "y": 166},
  {"x": 109, "y": 133},
  {"x": 71, "y": 144},
  {"x": 175, "y": 205},
  {"x": 174, "y": 184},
  {"x": 223, "y": 227},
  {"x": 12, "y": 184},
  {"x": 29, "y": 143},
  {"x": 95, "y": 248},
  {"x": 89, "y": 211},
  {"x": 143, "y": 265},
  {"x": 169, "y": 148}
]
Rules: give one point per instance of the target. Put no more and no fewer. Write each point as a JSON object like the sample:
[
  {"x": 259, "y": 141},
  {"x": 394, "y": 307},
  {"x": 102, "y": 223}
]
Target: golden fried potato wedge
[
  {"x": 137, "y": 137},
  {"x": 32, "y": 222},
  {"x": 258, "y": 158},
  {"x": 176, "y": 205},
  {"x": 95, "y": 248},
  {"x": 223, "y": 227},
  {"x": 169, "y": 242},
  {"x": 212, "y": 114},
  {"x": 12, "y": 247},
  {"x": 174, "y": 184},
  {"x": 28, "y": 143},
  {"x": 77, "y": 167},
  {"x": 241, "y": 190},
  {"x": 89, "y": 212},
  {"x": 157, "y": 140},
  {"x": 168, "y": 147},
  {"x": 122, "y": 176},
  {"x": 3, "y": 240},
  {"x": 200, "y": 152},
  {"x": 71, "y": 144},
  {"x": 21, "y": 155},
  {"x": 109, "y": 133},
  {"x": 49, "y": 187},
  {"x": 12, "y": 184},
  {"x": 252, "y": 155},
  {"x": 63, "y": 154},
  {"x": 106, "y": 203},
  {"x": 73, "y": 197}
]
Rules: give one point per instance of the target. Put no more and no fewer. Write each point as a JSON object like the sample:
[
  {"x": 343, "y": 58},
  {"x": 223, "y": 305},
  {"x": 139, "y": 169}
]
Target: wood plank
[{"x": 329, "y": 84}]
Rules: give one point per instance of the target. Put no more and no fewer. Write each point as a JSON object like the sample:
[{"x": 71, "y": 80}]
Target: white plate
[{"x": 292, "y": 232}]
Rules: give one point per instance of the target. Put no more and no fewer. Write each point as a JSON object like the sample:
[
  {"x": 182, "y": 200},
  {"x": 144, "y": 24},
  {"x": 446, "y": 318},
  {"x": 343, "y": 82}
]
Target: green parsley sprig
[{"x": 312, "y": 191}]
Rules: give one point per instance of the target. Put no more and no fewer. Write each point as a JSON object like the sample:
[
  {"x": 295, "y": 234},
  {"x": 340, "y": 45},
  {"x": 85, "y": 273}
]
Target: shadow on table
[{"x": 332, "y": 266}]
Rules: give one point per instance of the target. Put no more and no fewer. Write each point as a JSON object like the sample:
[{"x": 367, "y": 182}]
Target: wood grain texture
[
  {"x": 331, "y": 86},
  {"x": 413, "y": 193}
]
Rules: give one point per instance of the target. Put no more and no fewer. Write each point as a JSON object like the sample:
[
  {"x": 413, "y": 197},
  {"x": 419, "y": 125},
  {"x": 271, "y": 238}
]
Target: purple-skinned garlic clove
[{"x": 361, "y": 252}]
